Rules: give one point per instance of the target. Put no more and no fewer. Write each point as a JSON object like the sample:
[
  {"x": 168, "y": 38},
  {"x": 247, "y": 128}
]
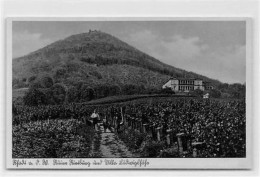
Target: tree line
[{"x": 44, "y": 91}]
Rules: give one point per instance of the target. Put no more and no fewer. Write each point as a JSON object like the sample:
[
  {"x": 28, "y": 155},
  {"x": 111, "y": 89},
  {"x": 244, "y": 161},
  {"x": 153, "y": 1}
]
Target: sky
[{"x": 216, "y": 49}]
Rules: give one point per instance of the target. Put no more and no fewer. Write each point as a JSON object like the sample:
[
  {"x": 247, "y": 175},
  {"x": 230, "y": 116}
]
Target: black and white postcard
[{"x": 128, "y": 93}]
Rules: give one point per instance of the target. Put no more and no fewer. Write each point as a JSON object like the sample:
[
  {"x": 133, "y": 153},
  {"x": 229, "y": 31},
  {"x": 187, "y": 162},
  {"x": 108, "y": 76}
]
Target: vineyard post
[
  {"x": 189, "y": 140},
  {"x": 158, "y": 133},
  {"x": 197, "y": 146},
  {"x": 116, "y": 124},
  {"x": 129, "y": 122},
  {"x": 140, "y": 125},
  {"x": 151, "y": 129},
  {"x": 194, "y": 152},
  {"x": 169, "y": 137},
  {"x": 153, "y": 132},
  {"x": 132, "y": 123},
  {"x": 161, "y": 131},
  {"x": 112, "y": 124},
  {"x": 144, "y": 128},
  {"x": 126, "y": 121},
  {"x": 122, "y": 116},
  {"x": 115, "y": 119},
  {"x": 149, "y": 126},
  {"x": 112, "y": 121},
  {"x": 179, "y": 138},
  {"x": 137, "y": 124}
]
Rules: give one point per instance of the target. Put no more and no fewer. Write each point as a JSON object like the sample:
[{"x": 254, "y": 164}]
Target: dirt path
[{"x": 112, "y": 147}]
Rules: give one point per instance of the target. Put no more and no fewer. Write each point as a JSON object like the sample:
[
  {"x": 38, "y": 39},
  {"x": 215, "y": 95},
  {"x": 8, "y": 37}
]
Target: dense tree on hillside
[
  {"x": 86, "y": 93},
  {"x": 35, "y": 85},
  {"x": 72, "y": 66},
  {"x": 102, "y": 91},
  {"x": 232, "y": 90},
  {"x": 80, "y": 84},
  {"x": 96, "y": 74},
  {"x": 167, "y": 91},
  {"x": 223, "y": 87},
  {"x": 114, "y": 90},
  {"x": 130, "y": 89},
  {"x": 46, "y": 81},
  {"x": 72, "y": 95},
  {"x": 58, "y": 93},
  {"x": 60, "y": 72},
  {"x": 197, "y": 93},
  {"x": 214, "y": 93},
  {"x": 83, "y": 92},
  {"x": 35, "y": 97}
]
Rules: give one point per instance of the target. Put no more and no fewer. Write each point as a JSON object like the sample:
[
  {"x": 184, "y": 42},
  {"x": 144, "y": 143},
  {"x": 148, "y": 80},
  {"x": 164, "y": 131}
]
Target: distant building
[
  {"x": 206, "y": 96},
  {"x": 187, "y": 84}
]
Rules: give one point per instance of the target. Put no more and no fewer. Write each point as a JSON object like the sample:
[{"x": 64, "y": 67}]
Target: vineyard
[
  {"x": 52, "y": 139},
  {"x": 154, "y": 127}
]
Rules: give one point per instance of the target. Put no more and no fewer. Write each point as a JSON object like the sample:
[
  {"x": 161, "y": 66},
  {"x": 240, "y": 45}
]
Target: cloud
[
  {"x": 25, "y": 42},
  {"x": 230, "y": 65},
  {"x": 226, "y": 63},
  {"x": 175, "y": 50}
]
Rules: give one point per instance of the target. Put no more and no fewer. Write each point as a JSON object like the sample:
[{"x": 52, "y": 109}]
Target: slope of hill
[{"x": 97, "y": 58}]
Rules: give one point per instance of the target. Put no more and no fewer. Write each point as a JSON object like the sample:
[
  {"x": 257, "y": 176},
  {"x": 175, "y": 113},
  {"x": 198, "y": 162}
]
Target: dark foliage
[
  {"x": 236, "y": 90},
  {"x": 214, "y": 93},
  {"x": 45, "y": 81},
  {"x": 197, "y": 93},
  {"x": 35, "y": 97},
  {"x": 58, "y": 93},
  {"x": 167, "y": 91}
]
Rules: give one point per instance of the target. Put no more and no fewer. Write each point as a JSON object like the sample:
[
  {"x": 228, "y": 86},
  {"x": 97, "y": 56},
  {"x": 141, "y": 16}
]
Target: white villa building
[{"x": 186, "y": 84}]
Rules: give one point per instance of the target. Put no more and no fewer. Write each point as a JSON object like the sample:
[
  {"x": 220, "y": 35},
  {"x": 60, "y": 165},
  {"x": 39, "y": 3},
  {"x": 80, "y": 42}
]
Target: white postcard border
[{"x": 153, "y": 163}]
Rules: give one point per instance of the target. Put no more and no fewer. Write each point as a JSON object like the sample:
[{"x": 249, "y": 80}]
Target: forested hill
[{"x": 95, "y": 58}]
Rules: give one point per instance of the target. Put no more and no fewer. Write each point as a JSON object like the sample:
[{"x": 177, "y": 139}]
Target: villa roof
[{"x": 183, "y": 78}]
